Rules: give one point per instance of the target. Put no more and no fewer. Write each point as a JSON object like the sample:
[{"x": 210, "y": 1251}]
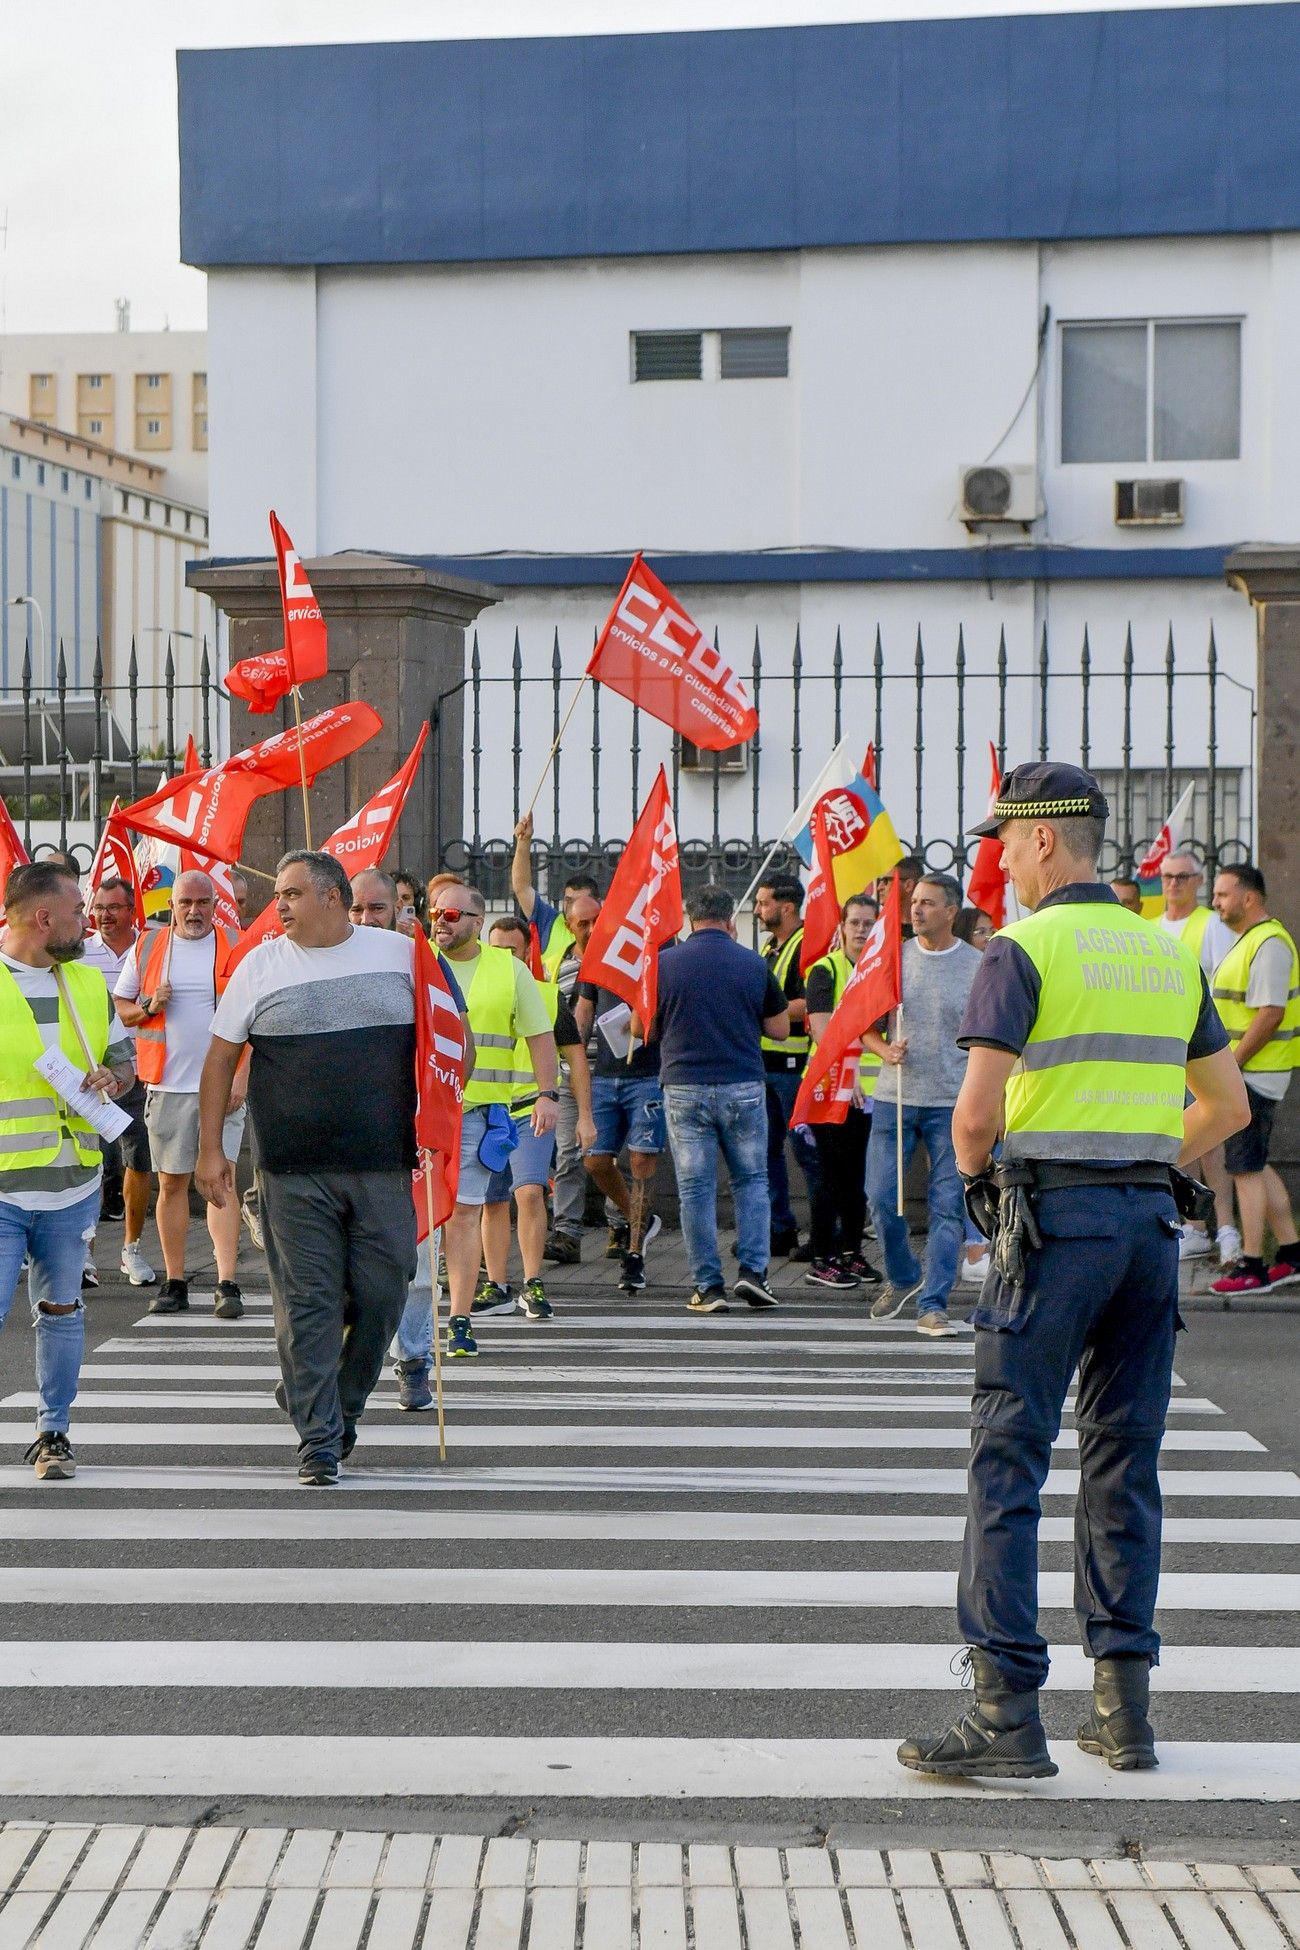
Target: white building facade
[{"x": 769, "y": 353}]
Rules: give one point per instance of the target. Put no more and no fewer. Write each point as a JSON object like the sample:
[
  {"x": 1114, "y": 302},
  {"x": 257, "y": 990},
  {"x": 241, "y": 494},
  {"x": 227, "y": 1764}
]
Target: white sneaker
[
  {"x": 1228, "y": 1245},
  {"x": 935, "y": 1325},
  {"x": 136, "y": 1266},
  {"x": 974, "y": 1271},
  {"x": 1194, "y": 1243}
]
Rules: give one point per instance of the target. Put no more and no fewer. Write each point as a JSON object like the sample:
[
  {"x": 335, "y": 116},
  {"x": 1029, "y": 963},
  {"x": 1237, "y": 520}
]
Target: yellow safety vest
[
  {"x": 1194, "y": 933},
  {"x": 1104, "y": 1072},
  {"x": 33, "y": 1118},
  {"x": 1231, "y": 982},
  {"x": 840, "y": 967},
  {"x": 796, "y": 1044},
  {"x": 525, "y": 1079},
  {"x": 490, "y": 1003},
  {"x": 558, "y": 943}
]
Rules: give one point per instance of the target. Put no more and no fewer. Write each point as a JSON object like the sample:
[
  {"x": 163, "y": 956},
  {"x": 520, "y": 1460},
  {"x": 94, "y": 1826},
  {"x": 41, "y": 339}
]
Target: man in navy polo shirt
[{"x": 716, "y": 1002}]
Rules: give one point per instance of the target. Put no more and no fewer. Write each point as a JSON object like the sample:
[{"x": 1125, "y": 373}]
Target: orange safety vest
[{"x": 151, "y": 1036}]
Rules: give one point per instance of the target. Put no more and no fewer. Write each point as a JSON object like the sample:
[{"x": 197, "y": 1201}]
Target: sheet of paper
[
  {"x": 107, "y": 1119},
  {"x": 613, "y": 1026}
]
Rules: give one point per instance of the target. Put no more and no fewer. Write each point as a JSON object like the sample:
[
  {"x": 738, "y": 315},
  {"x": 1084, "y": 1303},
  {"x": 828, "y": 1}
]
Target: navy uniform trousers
[{"x": 1101, "y": 1294}]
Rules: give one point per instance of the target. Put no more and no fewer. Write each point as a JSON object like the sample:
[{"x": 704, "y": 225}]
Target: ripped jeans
[{"x": 56, "y": 1243}]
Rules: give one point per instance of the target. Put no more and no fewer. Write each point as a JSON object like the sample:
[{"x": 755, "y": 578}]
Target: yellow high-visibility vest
[
  {"x": 1229, "y": 989},
  {"x": 33, "y": 1117},
  {"x": 796, "y": 1043},
  {"x": 1104, "y": 1072}
]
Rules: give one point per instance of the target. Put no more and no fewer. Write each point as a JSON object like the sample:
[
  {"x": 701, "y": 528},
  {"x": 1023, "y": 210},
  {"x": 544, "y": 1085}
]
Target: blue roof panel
[{"x": 1164, "y": 122}]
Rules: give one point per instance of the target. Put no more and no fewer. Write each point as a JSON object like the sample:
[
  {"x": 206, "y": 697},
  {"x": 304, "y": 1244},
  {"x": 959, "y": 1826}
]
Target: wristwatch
[{"x": 554, "y": 1095}]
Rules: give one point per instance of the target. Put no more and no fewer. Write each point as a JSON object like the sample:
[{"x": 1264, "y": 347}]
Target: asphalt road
[{"x": 730, "y": 1542}]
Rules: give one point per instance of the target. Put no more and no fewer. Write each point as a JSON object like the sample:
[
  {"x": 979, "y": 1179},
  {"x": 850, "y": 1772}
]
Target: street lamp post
[{"x": 17, "y": 602}]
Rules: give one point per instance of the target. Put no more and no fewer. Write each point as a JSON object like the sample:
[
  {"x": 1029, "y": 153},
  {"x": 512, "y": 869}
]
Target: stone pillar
[
  {"x": 1270, "y": 577},
  {"x": 396, "y": 640}
]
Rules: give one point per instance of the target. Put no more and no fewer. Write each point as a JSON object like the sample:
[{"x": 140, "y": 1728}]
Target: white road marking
[
  {"x": 621, "y": 1403},
  {"x": 549, "y": 1481},
  {"x": 582, "y": 1664},
  {"x": 535, "y": 1586},
  {"x": 540, "y": 1436},
  {"x": 279, "y": 1523},
  {"x": 298, "y": 1767}
]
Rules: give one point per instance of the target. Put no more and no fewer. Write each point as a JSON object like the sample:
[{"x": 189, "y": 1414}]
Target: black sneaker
[
  {"x": 533, "y": 1302},
  {"x": 829, "y": 1272},
  {"x": 785, "y": 1243},
  {"x": 562, "y": 1249},
  {"x": 620, "y": 1238},
  {"x": 112, "y": 1214},
  {"x": 709, "y": 1300},
  {"x": 461, "y": 1344},
  {"x": 492, "y": 1299},
  {"x": 861, "y": 1268},
  {"x": 803, "y": 1253},
  {"x": 754, "y": 1288},
  {"x": 413, "y": 1391},
  {"x": 229, "y": 1302},
  {"x": 654, "y": 1225},
  {"x": 349, "y": 1441},
  {"x": 53, "y": 1458},
  {"x": 172, "y": 1297},
  {"x": 632, "y": 1279},
  {"x": 319, "y": 1471}
]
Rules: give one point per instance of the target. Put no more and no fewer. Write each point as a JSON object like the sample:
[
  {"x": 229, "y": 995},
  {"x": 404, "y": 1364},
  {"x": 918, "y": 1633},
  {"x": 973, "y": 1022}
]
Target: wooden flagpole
[
  {"x": 898, "y": 1112},
  {"x": 65, "y": 992},
  {"x": 302, "y": 765},
  {"x": 434, "y": 1257},
  {"x": 550, "y": 756}
]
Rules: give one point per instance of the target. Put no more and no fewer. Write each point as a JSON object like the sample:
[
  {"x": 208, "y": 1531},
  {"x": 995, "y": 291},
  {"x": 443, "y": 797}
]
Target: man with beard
[{"x": 50, "y": 1162}]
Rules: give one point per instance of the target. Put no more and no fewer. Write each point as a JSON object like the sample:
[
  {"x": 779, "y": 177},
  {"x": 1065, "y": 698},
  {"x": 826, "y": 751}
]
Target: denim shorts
[
  {"x": 474, "y": 1174},
  {"x": 528, "y": 1164},
  {"x": 627, "y": 1110}
]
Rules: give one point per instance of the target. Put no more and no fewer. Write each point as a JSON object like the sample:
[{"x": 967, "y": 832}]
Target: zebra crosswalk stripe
[{"x": 607, "y": 1474}]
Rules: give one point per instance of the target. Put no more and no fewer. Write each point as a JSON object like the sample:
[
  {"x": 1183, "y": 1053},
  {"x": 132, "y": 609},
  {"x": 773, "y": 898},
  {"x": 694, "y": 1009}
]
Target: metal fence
[
  {"x": 66, "y": 753},
  {"x": 934, "y": 792}
]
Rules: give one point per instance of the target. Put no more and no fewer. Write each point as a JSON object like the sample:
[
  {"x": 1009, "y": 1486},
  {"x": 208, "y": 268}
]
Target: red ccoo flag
[
  {"x": 360, "y": 842},
  {"x": 651, "y": 652},
  {"x": 536, "y": 966},
  {"x": 872, "y": 990},
  {"x": 207, "y": 811},
  {"x": 439, "y": 1087},
  {"x": 115, "y": 860},
  {"x": 987, "y": 887},
  {"x": 642, "y": 910},
  {"x": 869, "y": 767},
  {"x": 12, "y": 851},
  {"x": 261, "y": 681},
  {"x": 363, "y": 840}
]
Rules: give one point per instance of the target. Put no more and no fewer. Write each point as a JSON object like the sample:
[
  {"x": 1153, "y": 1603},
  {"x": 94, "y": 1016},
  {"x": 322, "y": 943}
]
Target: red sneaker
[
  {"x": 1283, "y": 1272},
  {"x": 1240, "y": 1278}
]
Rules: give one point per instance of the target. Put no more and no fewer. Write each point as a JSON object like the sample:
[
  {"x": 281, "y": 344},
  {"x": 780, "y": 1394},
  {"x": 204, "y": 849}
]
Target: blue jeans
[
  {"x": 414, "y": 1338},
  {"x": 1101, "y": 1293},
  {"x": 929, "y": 1125},
  {"x": 57, "y": 1244},
  {"x": 703, "y": 1119},
  {"x": 782, "y": 1089}
]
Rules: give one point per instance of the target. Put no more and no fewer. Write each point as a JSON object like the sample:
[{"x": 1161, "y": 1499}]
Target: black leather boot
[
  {"x": 1001, "y": 1736},
  {"x": 1118, "y": 1730}
]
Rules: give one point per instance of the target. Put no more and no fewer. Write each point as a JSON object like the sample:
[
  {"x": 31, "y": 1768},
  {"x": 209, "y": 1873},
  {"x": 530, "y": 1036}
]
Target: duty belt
[{"x": 1045, "y": 1175}]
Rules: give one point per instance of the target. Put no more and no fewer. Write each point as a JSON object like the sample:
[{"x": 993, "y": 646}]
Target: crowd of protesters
[{"x": 564, "y": 1092}]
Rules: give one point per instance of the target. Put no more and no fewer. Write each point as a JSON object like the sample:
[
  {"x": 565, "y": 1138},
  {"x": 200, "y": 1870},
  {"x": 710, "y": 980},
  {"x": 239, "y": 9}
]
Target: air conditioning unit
[
  {"x": 1149, "y": 504},
  {"x": 999, "y": 494}
]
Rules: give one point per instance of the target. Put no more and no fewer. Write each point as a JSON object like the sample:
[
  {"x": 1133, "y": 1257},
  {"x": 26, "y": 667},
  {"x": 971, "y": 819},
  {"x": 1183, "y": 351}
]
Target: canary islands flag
[{"x": 864, "y": 844}]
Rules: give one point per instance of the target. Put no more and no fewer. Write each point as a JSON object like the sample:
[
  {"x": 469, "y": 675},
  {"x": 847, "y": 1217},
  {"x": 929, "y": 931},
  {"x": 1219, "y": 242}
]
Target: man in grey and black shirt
[{"x": 329, "y": 1012}]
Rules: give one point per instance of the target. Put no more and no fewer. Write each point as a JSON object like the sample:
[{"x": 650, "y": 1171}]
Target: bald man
[{"x": 167, "y": 993}]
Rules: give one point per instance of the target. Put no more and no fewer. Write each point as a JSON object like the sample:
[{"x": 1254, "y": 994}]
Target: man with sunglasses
[
  {"x": 505, "y": 1007},
  {"x": 1199, "y": 928}
]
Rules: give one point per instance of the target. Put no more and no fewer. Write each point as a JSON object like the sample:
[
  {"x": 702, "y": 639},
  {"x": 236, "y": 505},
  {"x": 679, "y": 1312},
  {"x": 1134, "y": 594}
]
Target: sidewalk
[{"x": 284, "y": 1889}]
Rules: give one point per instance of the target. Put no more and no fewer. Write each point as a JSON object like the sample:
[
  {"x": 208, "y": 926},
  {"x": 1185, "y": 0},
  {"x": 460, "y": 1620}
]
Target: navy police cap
[{"x": 1042, "y": 791}]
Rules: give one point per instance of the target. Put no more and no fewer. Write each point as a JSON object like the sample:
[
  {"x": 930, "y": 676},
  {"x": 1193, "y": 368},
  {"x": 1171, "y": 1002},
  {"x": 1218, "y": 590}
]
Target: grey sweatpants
[{"x": 340, "y": 1254}]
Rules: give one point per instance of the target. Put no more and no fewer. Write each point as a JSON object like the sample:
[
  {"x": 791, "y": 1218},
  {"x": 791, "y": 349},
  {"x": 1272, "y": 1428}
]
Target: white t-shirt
[
  {"x": 65, "y": 1180},
  {"x": 1215, "y": 942},
  {"x": 187, "y": 1018}
]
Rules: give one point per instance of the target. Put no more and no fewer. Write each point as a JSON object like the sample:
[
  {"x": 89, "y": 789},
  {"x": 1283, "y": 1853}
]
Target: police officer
[{"x": 1085, "y": 1028}]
